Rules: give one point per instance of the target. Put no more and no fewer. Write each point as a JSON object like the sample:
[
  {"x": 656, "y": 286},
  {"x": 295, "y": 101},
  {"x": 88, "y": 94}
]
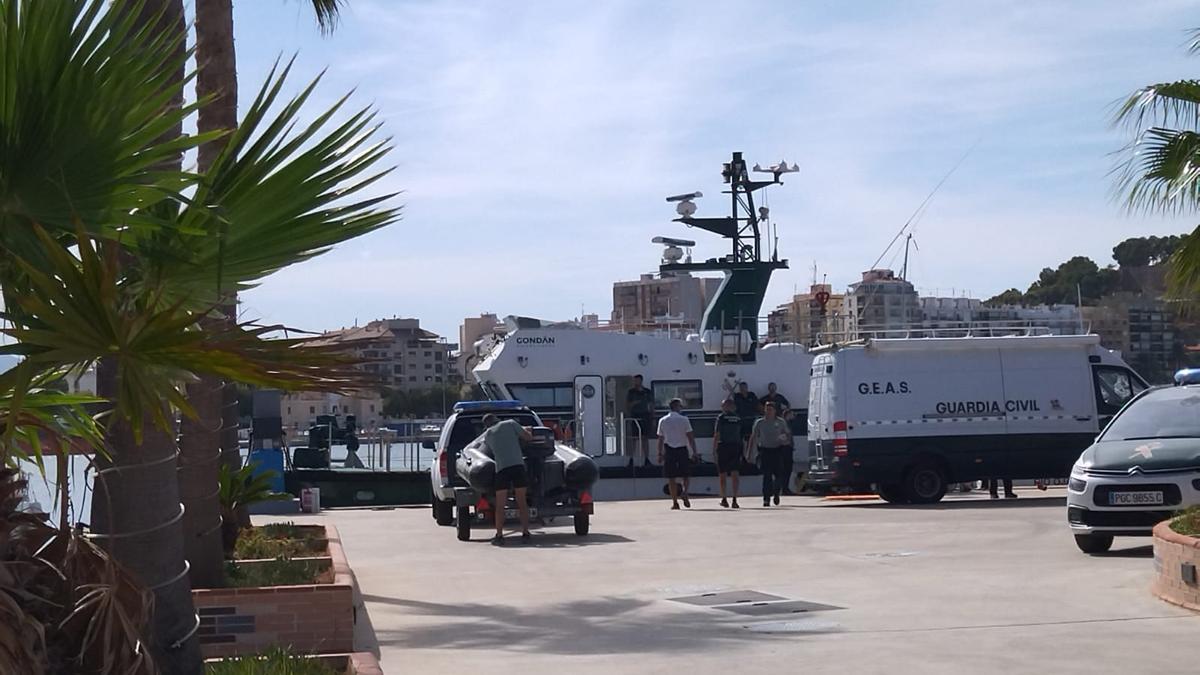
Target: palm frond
[
  {"x": 80, "y": 312},
  {"x": 1165, "y": 104},
  {"x": 280, "y": 193},
  {"x": 1184, "y": 275},
  {"x": 327, "y": 13},
  {"x": 1161, "y": 171},
  {"x": 84, "y": 120}
]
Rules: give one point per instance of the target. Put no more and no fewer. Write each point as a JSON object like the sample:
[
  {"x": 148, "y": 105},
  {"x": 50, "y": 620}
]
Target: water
[{"x": 405, "y": 456}]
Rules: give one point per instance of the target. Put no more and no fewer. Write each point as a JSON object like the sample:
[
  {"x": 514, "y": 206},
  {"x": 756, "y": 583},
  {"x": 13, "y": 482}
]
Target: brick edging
[
  {"x": 364, "y": 663},
  {"x": 1174, "y": 553},
  {"x": 1163, "y": 531},
  {"x": 342, "y": 574}
]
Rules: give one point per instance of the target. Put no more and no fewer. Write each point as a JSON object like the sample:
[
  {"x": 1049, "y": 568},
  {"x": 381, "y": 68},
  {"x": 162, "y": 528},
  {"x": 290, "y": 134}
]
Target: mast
[{"x": 733, "y": 312}]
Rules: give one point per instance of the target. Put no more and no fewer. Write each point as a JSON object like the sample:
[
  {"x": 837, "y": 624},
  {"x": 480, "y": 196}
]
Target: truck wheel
[
  {"x": 892, "y": 493},
  {"x": 1093, "y": 543},
  {"x": 463, "y": 523},
  {"x": 925, "y": 483},
  {"x": 443, "y": 511},
  {"x": 582, "y": 523}
]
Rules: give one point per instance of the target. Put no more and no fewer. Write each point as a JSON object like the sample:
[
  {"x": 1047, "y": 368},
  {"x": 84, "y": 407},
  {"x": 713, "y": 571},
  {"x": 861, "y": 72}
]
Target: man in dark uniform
[
  {"x": 639, "y": 401},
  {"x": 746, "y": 405},
  {"x": 728, "y": 450},
  {"x": 772, "y": 396}
]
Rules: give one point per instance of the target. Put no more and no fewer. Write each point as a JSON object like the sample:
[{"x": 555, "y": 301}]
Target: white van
[{"x": 907, "y": 417}]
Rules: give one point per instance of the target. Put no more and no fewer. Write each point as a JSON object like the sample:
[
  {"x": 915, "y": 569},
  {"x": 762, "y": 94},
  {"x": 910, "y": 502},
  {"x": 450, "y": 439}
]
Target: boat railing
[{"x": 944, "y": 329}]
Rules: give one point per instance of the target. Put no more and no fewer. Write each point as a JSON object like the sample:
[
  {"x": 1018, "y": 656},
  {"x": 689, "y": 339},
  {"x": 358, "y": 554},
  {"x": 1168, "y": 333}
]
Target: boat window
[
  {"x": 540, "y": 396},
  {"x": 691, "y": 392}
]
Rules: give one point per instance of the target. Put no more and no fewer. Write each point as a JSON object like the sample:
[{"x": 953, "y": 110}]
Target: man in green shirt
[
  {"x": 770, "y": 435},
  {"x": 727, "y": 448},
  {"x": 504, "y": 440}
]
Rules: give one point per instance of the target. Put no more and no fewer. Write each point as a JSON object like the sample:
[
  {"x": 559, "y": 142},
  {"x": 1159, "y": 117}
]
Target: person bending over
[{"x": 504, "y": 440}]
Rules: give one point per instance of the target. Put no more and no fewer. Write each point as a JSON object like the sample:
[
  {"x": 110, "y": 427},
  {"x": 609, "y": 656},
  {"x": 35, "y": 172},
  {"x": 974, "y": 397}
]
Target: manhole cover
[
  {"x": 813, "y": 625},
  {"x": 726, "y": 598},
  {"x": 785, "y": 607}
]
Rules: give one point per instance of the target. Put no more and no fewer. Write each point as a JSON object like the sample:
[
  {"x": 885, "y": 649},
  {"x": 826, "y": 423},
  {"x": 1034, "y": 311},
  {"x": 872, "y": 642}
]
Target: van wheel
[
  {"x": 443, "y": 511},
  {"x": 1093, "y": 543},
  {"x": 582, "y": 524},
  {"x": 892, "y": 493},
  {"x": 925, "y": 483},
  {"x": 463, "y": 523}
]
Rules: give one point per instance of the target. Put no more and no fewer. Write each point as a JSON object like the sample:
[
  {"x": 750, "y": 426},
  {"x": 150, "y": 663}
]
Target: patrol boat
[{"x": 577, "y": 377}]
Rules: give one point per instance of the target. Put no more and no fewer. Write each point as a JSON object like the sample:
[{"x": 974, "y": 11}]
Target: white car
[{"x": 1143, "y": 468}]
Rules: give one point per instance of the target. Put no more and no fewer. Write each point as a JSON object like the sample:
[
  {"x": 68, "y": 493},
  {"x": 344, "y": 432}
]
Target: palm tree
[
  {"x": 1159, "y": 170},
  {"x": 108, "y": 253},
  {"x": 211, "y": 437}
]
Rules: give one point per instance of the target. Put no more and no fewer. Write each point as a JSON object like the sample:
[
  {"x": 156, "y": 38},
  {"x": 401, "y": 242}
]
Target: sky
[{"x": 535, "y": 141}]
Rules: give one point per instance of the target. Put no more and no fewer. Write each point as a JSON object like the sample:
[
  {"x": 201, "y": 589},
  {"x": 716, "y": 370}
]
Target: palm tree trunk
[
  {"x": 203, "y": 444},
  {"x": 199, "y": 459},
  {"x": 136, "y": 515},
  {"x": 136, "y": 510},
  {"x": 217, "y": 77}
]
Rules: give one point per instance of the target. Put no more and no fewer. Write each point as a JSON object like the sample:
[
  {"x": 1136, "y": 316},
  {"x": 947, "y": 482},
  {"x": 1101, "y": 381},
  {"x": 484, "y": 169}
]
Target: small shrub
[
  {"x": 1188, "y": 522},
  {"x": 281, "y": 540},
  {"x": 279, "y": 572},
  {"x": 273, "y": 662}
]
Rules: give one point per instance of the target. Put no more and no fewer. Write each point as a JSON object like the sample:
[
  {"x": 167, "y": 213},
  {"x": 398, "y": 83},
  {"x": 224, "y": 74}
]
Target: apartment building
[
  {"x": 654, "y": 302},
  {"x": 405, "y": 356},
  {"x": 804, "y": 319}
]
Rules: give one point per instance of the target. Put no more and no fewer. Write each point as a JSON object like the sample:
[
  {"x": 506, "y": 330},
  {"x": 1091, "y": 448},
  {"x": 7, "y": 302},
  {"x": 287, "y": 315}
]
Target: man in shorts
[
  {"x": 674, "y": 438},
  {"x": 728, "y": 449},
  {"x": 504, "y": 440}
]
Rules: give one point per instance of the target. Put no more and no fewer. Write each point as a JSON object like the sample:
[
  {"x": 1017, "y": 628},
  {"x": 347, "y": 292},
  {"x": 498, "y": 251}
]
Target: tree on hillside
[
  {"x": 1144, "y": 251},
  {"x": 1079, "y": 276},
  {"x": 1158, "y": 172},
  {"x": 1010, "y": 297}
]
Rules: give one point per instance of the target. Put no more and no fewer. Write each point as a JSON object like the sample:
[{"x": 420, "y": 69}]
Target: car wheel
[
  {"x": 1093, "y": 543},
  {"x": 892, "y": 493},
  {"x": 443, "y": 511},
  {"x": 583, "y": 522},
  {"x": 463, "y": 523},
  {"x": 925, "y": 483}
]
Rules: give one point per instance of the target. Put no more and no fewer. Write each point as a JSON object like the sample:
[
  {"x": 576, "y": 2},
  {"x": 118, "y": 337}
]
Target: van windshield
[{"x": 1170, "y": 413}]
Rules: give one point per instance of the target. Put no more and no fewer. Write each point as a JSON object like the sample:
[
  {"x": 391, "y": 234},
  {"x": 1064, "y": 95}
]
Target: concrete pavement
[{"x": 969, "y": 585}]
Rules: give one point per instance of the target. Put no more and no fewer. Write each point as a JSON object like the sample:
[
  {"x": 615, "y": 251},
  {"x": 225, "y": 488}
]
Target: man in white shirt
[{"x": 674, "y": 438}]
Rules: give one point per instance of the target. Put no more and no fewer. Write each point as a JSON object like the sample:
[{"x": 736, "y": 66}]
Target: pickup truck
[{"x": 456, "y": 502}]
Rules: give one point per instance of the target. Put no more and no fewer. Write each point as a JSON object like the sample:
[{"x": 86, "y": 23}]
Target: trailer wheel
[
  {"x": 925, "y": 483},
  {"x": 583, "y": 522},
  {"x": 463, "y": 523},
  {"x": 892, "y": 493},
  {"x": 1093, "y": 543},
  {"x": 443, "y": 511}
]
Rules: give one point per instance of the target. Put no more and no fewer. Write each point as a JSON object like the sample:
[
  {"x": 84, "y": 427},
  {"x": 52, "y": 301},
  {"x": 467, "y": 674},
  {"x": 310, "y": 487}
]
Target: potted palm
[{"x": 114, "y": 255}]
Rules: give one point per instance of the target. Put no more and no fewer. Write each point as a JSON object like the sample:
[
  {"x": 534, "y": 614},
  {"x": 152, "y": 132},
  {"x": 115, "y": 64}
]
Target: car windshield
[{"x": 1169, "y": 413}]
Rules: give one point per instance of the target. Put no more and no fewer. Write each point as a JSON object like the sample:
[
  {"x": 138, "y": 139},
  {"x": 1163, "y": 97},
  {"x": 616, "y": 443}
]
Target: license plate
[
  {"x": 515, "y": 513},
  {"x": 1144, "y": 498}
]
